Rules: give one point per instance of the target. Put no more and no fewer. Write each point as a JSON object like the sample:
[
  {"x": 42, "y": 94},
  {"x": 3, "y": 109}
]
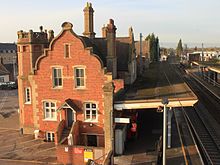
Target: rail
[
  {"x": 204, "y": 126},
  {"x": 59, "y": 131},
  {"x": 204, "y": 136}
]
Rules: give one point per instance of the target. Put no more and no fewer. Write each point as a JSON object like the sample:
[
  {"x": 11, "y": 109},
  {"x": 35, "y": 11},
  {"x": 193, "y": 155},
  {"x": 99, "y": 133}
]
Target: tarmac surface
[{"x": 16, "y": 148}]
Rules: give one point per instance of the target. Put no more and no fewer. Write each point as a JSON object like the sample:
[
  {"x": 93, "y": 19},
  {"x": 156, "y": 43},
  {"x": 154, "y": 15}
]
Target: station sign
[
  {"x": 122, "y": 120},
  {"x": 88, "y": 154}
]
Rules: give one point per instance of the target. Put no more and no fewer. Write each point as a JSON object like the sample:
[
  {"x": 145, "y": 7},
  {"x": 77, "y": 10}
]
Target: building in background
[
  {"x": 203, "y": 55},
  {"x": 8, "y": 54},
  {"x": 4, "y": 73}
]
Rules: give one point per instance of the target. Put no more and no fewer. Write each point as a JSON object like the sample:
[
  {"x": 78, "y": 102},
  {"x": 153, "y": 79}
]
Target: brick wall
[
  {"x": 75, "y": 155},
  {"x": 94, "y": 81}
]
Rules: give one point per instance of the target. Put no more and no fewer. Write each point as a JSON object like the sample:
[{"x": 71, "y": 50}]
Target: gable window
[
  {"x": 50, "y": 136},
  {"x": 28, "y": 95},
  {"x": 79, "y": 77},
  {"x": 57, "y": 77},
  {"x": 49, "y": 110},
  {"x": 90, "y": 112},
  {"x": 67, "y": 51}
]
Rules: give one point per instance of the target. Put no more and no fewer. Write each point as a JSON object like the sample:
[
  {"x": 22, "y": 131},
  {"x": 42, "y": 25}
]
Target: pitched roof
[
  {"x": 8, "y": 46},
  {"x": 122, "y": 52},
  {"x": 99, "y": 46},
  {"x": 69, "y": 104}
]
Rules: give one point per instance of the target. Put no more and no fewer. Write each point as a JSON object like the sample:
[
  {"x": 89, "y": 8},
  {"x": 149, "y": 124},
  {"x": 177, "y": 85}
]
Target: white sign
[{"x": 122, "y": 120}]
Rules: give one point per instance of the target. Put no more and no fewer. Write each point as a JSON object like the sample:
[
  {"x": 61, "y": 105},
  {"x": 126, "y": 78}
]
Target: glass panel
[
  {"x": 93, "y": 105},
  {"x": 87, "y": 114},
  {"x": 46, "y": 104},
  {"x": 58, "y": 72},
  {"x": 82, "y": 82},
  {"x": 78, "y": 82},
  {"x": 81, "y": 72},
  {"x": 52, "y": 105},
  {"x": 54, "y": 72},
  {"x": 93, "y": 114},
  {"x": 87, "y": 105},
  {"x": 47, "y": 114},
  {"x": 52, "y": 113},
  {"x": 52, "y": 136},
  {"x": 60, "y": 82},
  {"x": 77, "y": 72}
]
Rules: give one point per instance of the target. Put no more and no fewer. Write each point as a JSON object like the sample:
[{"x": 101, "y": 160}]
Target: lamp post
[{"x": 164, "y": 102}]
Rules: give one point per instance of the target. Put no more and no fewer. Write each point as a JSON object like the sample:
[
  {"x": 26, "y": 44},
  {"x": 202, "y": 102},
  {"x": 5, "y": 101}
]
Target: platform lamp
[{"x": 165, "y": 101}]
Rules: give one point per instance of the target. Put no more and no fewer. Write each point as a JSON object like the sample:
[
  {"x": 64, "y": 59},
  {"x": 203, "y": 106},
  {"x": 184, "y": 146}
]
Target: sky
[{"x": 194, "y": 21}]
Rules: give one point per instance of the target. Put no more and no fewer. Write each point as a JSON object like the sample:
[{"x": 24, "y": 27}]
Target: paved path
[{"x": 16, "y": 149}]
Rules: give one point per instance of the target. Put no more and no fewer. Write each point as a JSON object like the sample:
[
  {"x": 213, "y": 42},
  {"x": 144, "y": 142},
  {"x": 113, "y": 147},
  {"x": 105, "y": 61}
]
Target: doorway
[
  {"x": 69, "y": 117},
  {"x": 92, "y": 140}
]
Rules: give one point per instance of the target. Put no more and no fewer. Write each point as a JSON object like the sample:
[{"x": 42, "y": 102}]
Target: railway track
[
  {"x": 204, "y": 119},
  {"x": 207, "y": 139}
]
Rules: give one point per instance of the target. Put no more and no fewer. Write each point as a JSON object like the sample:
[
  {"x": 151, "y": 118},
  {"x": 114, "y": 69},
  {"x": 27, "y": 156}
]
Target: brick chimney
[
  {"x": 88, "y": 21},
  {"x": 104, "y": 31},
  {"x": 111, "y": 49}
]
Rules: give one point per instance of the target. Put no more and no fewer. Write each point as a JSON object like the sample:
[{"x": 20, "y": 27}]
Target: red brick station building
[{"x": 67, "y": 84}]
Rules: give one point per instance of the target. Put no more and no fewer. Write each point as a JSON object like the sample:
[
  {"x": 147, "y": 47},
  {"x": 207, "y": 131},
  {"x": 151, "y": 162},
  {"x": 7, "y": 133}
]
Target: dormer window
[{"x": 67, "y": 51}]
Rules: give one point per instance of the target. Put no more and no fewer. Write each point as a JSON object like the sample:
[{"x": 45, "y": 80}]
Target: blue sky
[{"x": 195, "y": 21}]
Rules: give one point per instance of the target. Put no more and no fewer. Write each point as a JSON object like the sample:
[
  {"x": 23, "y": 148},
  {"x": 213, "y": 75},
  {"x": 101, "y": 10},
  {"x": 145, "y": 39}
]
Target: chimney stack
[
  {"x": 111, "y": 48},
  {"x": 51, "y": 35},
  {"x": 88, "y": 21},
  {"x": 104, "y": 31}
]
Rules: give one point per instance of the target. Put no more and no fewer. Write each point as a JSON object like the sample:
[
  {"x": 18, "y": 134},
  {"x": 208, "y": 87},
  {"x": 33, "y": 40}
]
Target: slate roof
[
  {"x": 122, "y": 51},
  {"x": 99, "y": 46},
  {"x": 8, "y": 46}
]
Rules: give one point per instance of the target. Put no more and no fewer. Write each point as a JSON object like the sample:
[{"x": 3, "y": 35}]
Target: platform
[{"x": 158, "y": 81}]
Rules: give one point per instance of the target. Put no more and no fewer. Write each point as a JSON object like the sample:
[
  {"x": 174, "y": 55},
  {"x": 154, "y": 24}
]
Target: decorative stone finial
[
  {"x": 41, "y": 28},
  {"x": 111, "y": 26},
  {"x": 67, "y": 26}
]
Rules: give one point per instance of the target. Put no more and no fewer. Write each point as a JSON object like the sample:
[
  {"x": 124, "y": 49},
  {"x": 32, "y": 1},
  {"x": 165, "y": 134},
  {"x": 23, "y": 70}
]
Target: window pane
[
  {"x": 46, "y": 104},
  {"x": 60, "y": 82},
  {"x": 87, "y": 105},
  {"x": 52, "y": 105},
  {"x": 54, "y": 72},
  {"x": 81, "y": 82},
  {"x": 80, "y": 72},
  {"x": 77, "y": 72},
  {"x": 94, "y": 114},
  {"x": 58, "y": 72},
  {"x": 78, "y": 82},
  {"x": 52, "y": 137},
  {"x": 53, "y": 113},
  {"x": 93, "y": 105}
]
